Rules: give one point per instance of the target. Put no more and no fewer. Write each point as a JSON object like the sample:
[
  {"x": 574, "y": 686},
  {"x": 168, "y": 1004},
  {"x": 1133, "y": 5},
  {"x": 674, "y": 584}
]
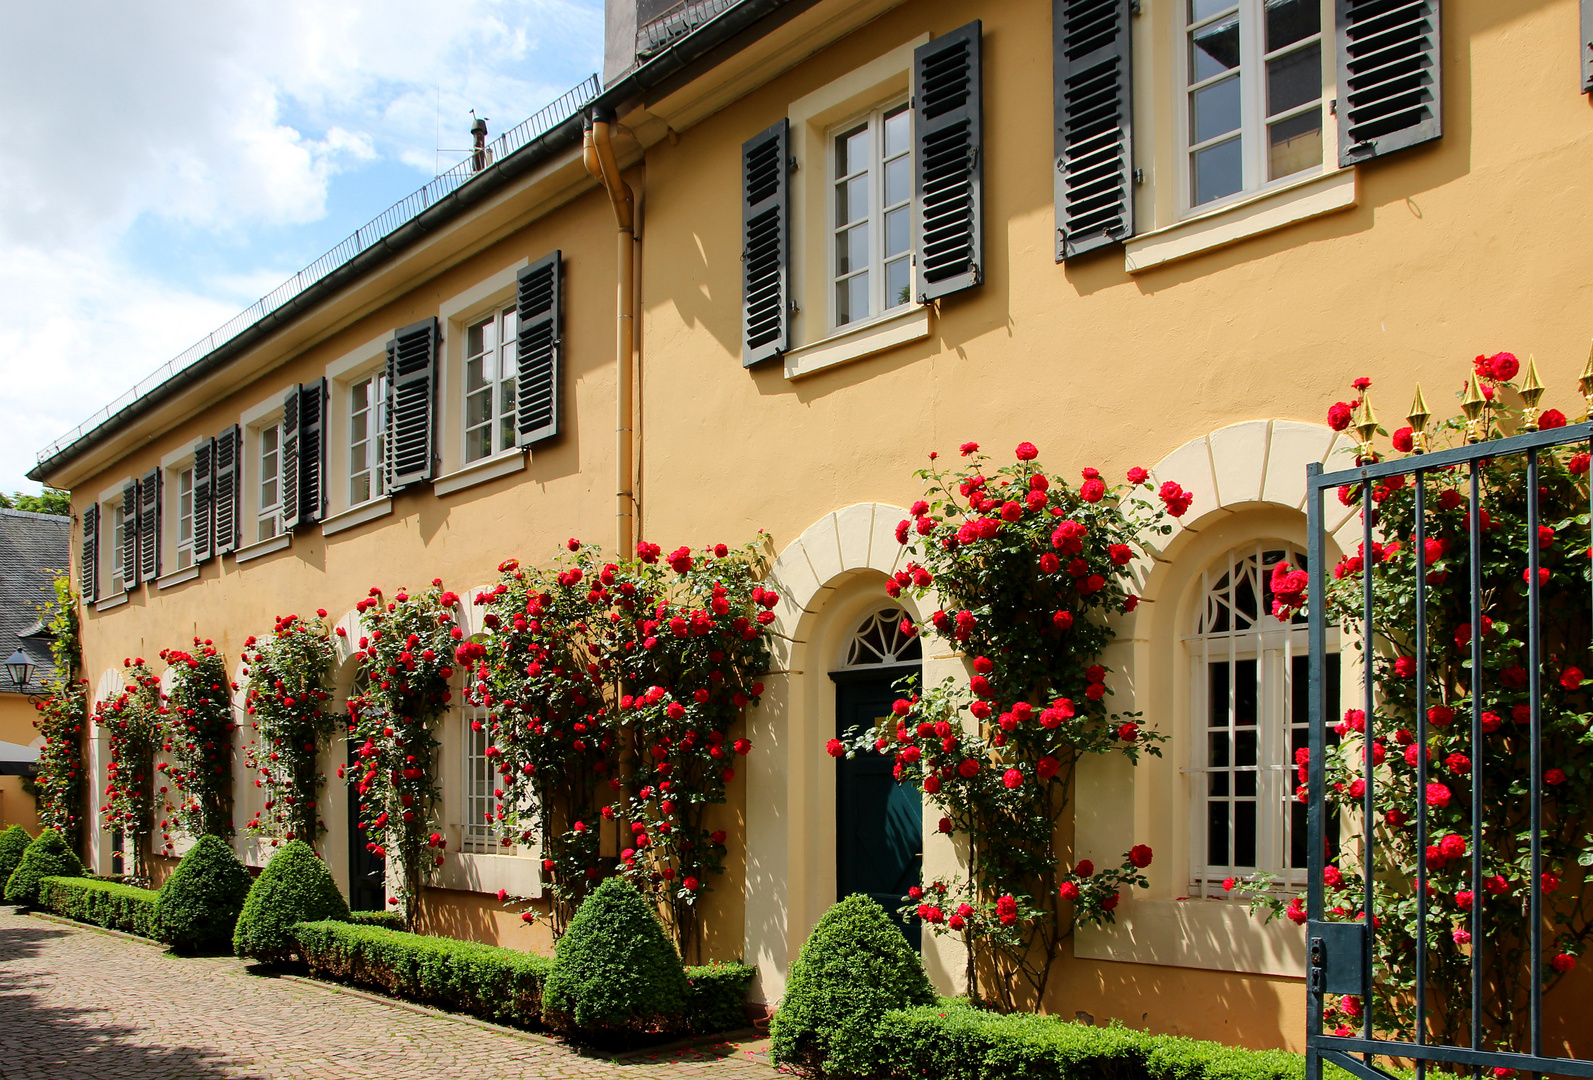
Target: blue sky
[{"x": 176, "y": 161}]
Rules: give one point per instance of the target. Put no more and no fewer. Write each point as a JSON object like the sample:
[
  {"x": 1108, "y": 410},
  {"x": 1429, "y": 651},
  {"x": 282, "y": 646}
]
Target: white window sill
[
  {"x": 1215, "y": 935},
  {"x": 177, "y": 577},
  {"x": 1266, "y": 211},
  {"x": 279, "y": 542},
  {"x": 110, "y": 602},
  {"x": 858, "y": 342},
  {"x": 518, "y": 875},
  {"x": 479, "y": 472},
  {"x": 369, "y": 510}
]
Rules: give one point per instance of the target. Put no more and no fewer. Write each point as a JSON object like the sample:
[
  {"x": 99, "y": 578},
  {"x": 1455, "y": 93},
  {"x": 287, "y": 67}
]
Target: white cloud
[{"x": 210, "y": 122}]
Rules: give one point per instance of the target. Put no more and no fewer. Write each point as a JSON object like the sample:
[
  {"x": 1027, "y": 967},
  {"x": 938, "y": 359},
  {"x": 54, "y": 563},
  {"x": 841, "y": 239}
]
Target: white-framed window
[
  {"x": 269, "y": 506},
  {"x": 1253, "y": 109},
  {"x": 489, "y": 391},
  {"x": 118, "y": 518},
  {"x": 871, "y": 226},
  {"x": 479, "y": 827},
  {"x": 1248, "y": 718},
  {"x": 183, "y": 492},
  {"x": 367, "y": 437}
]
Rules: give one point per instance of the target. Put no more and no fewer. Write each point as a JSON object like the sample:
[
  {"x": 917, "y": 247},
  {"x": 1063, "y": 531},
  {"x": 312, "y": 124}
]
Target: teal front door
[{"x": 879, "y": 843}]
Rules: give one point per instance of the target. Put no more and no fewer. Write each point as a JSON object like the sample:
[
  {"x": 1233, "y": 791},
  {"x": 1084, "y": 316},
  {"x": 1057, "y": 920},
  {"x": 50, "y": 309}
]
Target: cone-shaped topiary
[
  {"x": 854, "y": 968},
  {"x": 200, "y": 902},
  {"x": 13, "y": 842},
  {"x": 615, "y": 975},
  {"x": 47, "y": 856},
  {"x": 294, "y": 887}
]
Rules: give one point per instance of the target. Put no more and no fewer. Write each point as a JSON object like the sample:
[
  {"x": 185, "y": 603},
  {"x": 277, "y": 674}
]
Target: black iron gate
[{"x": 1340, "y": 954}]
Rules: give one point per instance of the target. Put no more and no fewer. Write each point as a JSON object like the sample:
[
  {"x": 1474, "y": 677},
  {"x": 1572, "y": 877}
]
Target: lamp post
[{"x": 21, "y": 667}]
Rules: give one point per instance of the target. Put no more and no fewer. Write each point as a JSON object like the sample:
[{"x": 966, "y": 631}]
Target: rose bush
[
  {"x": 133, "y": 721},
  {"x": 290, "y": 682},
  {"x": 59, "y": 782},
  {"x": 1030, "y": 570},
  {"x": 198, "y": 737}
]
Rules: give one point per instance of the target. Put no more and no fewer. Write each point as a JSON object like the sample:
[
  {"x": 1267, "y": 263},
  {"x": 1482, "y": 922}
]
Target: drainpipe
[{"x": 597, "y": 151}]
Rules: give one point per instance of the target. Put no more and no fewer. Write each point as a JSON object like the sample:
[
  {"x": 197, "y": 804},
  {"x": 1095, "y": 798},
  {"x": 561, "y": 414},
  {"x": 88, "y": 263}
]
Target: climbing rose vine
[
  {"x": 132, "y": 719},
  {"x": 290, "y": 682},
  {"x": 1502, "y": 715},
  {"x": 198, "y": 740},
  {"x": 62, "y": 713},
  {"x": 406, "y": 657},
  {"x": 1030, "y": 571}
]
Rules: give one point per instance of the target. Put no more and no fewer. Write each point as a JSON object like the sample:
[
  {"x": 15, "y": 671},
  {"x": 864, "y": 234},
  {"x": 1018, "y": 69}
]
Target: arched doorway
[
  {"x": 879, "y": 842},
  {"x": 367, "y": 883}
]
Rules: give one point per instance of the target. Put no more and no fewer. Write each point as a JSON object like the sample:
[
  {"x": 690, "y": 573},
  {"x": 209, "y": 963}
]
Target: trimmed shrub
[
  {"x": 13, "y": 842},
  {"x": 855, "y": 967},
  {"x": 387, "y": 920},
  {"x": 615, "y": 975},
  {"x": 484, "y": 980},
  {"x": 47, "y": 856},
  {"x": 954, "y": 1041},
  {"x": 716, "y": 997},
  {"x": 110, "y": 904},
  {"x": 294, "y": 887},
  {"x": 200, "y": 902}
]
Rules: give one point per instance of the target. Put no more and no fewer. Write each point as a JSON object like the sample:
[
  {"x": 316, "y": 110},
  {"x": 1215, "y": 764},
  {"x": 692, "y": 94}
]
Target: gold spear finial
[
  {"x": 1418, "y": 417},
  {"x": 1473, "y": 405},
  {"x": 1365, "y": 424},
  {"x": 1530, "y": 390}
]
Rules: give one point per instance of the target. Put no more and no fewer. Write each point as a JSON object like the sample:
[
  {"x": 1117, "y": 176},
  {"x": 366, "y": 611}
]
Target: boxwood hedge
[{"x": 104, "y": 903}]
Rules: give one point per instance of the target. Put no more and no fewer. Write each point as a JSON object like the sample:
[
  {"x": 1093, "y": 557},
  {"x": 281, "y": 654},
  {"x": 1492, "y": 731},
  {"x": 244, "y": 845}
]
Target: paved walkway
[{"x": 76, "y": 1004}]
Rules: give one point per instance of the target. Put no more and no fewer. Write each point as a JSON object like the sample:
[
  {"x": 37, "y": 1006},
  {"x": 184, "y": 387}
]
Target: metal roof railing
[
  {"x": 677, "y": 22},
  {"x": 366, "y": 236}
]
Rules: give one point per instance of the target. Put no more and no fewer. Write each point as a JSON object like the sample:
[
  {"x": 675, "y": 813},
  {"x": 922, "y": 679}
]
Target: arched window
[
  {"x": 1249, "y": 676},
  {"x": 879, "y": 640},
  {"x": 479, "y": 827}
]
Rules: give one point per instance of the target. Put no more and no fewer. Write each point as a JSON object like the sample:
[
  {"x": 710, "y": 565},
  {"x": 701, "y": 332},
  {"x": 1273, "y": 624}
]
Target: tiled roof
[{"x": 33, "y": 550}]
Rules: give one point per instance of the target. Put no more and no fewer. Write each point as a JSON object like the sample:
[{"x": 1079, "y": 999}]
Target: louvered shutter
[
  {"x": 411, "y": 373},
  {"x": 539, "y": 352},
  {"x": 204, "y": 500},
  {"x": 766, "y": 244},
  {"x": 1093, "y": 95},
  {"x": 149, "y": 526},
  {"x": 949, "y": 172},
  {"x": 312, "y": 451},
  {"x": 130, "y": 535},
  {"x": 89, "y": 555},
  {"x": 1585, "y": 45},
  {"x": 288, "y": 459},
  {"x": 226, "y": 488},
  {"x": 1390, "y": 89}
]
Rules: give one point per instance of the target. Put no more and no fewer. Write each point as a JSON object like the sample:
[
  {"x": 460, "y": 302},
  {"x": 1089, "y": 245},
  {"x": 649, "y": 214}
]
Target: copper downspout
[{"x": 597, "y": 152}]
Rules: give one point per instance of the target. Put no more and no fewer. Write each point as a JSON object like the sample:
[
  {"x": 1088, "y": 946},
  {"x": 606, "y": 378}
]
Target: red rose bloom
[
  {"x": 968, "y": 448},
  {"x": 1554, "y": 777},
  {"x": 1027, "y": 451},
  {"x": 970, "y": 768},
  {"x": 1404, "y": 440},
  {"x": 1092, "y": 491},
  {"x": 1562, "y": 962},
  {"x": 1571, "y": 678},
  {"x": 1339, "y": 414},
  {"x": 1140, "y": 856},
  {"x": 1137, "y": 475},
  {"x": 1069, "y": 891},
  {"x": 1405, "y": 666},
  {"x": 1012, "y": 778},
  {"x": 1551, "y": 418}
]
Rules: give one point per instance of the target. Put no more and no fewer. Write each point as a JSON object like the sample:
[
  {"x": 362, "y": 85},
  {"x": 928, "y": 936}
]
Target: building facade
[{"x": 793, "y": 247}]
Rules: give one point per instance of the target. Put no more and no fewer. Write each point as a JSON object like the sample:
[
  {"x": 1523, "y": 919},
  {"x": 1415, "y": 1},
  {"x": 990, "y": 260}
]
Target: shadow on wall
[
  {"x": 41, "y": 1039},
  {"x": 479, "y": 917}
]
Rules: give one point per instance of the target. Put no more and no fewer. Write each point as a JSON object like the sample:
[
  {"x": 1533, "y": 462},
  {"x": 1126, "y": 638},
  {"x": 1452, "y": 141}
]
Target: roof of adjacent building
[{"x": 33, "y": 551}]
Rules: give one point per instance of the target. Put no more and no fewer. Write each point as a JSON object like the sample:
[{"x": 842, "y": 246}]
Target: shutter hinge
[
  {"x": 792, "y": 164},
  {"x": 1135, "y": 7},
  {"x": 1333, "y": 107},
  {"x": 1139, "y": 176},
  {"x": 791, "y": 306}
]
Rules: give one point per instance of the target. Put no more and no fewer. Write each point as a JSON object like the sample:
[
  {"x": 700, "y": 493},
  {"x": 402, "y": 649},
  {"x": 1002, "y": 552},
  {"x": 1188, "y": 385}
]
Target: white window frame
[
  {"x": 266, "y": 515},
  {"x": 1254, "y": 121},
  {"x": 182, "y": 547},
  {"x": 375, "y": 441},
  {"x": 477, "y": 779},
  {"x": 1273, "y": 647},
  {"x": 500, "y": 423},
  {"x": 874, "y": 120},
  {"x": 117, "y": 527}
]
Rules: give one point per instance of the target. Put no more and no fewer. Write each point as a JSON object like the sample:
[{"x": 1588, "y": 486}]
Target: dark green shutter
[
  {"x": 130, "y": 535},
  {"x": 1584, "y": 45},
  {"x": 1093, "y": 96},
  {"x": 411, "y": 387},
  {"x": 149, "y": 525},
  {"x": 89, "y": 554},
  {"x": 539, "y": 350},
  {"x": 1390, "y": 67},
  {"x": 288, "y": 460},
  {"x": 204, "y": 500},
  {"x": 766, "y": 244},
  {"x": 312, "y": 451},
  {"x": 948, "y": 162},
  {"x": 229, "y": 447}
]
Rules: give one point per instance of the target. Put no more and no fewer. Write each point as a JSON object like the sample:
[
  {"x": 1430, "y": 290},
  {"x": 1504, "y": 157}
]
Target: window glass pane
[
  {"x": 1294, "y": 79},
  {"x": 1205, "y": 9},
  {"x": 475, "y": 374},
  {"x": 357, "y": 427},
  {"x": 1244, "y": 748},
  {"x": 1214, "y": 110},
  {"x": 1244, "y": 783},
  {"x": 851, "y": 152},
  {"x": 360, "y": 396},
  {"x": 898, "y": 181},
  {"x": 898, "y": 283},
  {"x": 1217, "y": 746},
  {"x": 1244, "y": 834},
  {"x": 478, "y": 443},
  {"x": 1217, "y": 171},
  {"x": 851, "y": 200},
  {"x": 896, "y": 132},
  {"x": 1217, "y": 833},
  {"x": 851, "y": 249},
  {"x": 1217, "y": 709},
  {"x": 360, "y": 488},
  {"x": 1213, "y": 49},
  {"x": 268, "y": 440},
  {"x": 897, "y": 225},
  {"x": 1290, "y": 20},
  {"x": 1218, "y": 783},
  {"x": 1294, "y": 144},
  {"x": 851, "y": 299},
  {"x": 476, "y": 338},
  {"x": 1244, "y": 694},
  {"x": 478, "y": 408}
]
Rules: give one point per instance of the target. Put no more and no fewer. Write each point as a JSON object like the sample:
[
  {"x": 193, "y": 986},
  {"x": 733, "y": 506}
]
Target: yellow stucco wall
[
  {"x": 1474, "y": 243},
  {"x": 16, "y": 726}
]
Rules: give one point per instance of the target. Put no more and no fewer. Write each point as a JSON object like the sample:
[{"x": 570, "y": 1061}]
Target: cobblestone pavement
[{"x": 76, "y": 1004}]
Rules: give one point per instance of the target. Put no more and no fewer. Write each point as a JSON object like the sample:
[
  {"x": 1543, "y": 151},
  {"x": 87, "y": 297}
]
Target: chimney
[
  {"x": 478, "y": 135},
  {"x": 619, "y": 39}
]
